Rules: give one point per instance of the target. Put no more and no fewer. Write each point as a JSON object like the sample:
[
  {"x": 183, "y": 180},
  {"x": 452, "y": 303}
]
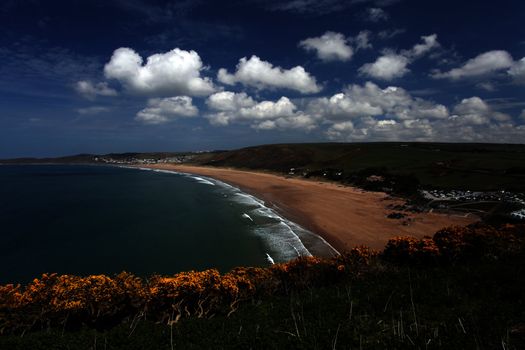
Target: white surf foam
[
  {"x": 246, "y": 216},
  {"x": 284, "y": 238},
  {"x": 202, "y": 180}
]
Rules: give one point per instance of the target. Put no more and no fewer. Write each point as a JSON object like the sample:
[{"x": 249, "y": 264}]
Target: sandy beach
[{"x": 344, "y": 216}]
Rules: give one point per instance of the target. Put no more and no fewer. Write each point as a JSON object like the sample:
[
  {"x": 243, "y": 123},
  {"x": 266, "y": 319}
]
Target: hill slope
[{"x": 440, "y": 165}]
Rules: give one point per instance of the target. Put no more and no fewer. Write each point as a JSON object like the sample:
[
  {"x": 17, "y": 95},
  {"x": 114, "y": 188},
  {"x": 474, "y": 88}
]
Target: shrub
[{"x": 101, "y": 301}]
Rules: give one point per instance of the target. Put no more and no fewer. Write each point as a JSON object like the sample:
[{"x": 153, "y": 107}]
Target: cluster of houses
[
  {"x": 457, "y": 195},
  {"x": 516, "y": 199},
  {"x": 332, "y": 174},
  {"x": 518, "y": 214},
  {"x": 132, "y": 160}
]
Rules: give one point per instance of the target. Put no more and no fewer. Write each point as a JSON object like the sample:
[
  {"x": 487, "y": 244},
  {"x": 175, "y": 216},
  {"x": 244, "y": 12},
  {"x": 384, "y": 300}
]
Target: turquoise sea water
[{"x": 82, "y": 219}]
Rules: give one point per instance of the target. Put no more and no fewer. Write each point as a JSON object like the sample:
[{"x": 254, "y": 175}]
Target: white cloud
[
  {"x": 330, "y": 46},
  {"x": 368, "y": 112},
  {"x": 262, "y": 74},
  {"x": 475, "y": 111},
  {"x": 370, "y": 100},
  {"x": 93, "y": 110},
  {"x": 269, "y": 109},
  {"x": 376, "y": 14},
  {"x": 296, "y": 121},
  {"x": 229, "y": 101},
  {"x": 362, "y": 40},
  {"x": 229, "y": 107},
  {"x": 90, "y": 91},
  {"x": 238, "y": 106},
  {"x": 522, "y": 115},
  {"x": 174, "y": 73},
  {"x": 473, "y": 120},
  {"x": 480, "y": 66},
  {"x": 392, "y": 65},
  {"x": 342, "y": 106},
  {"x": 163, "y": 110},
  {"x": 338, "y": 131},
  {"x": 386, "y": 67},
  {"x": 385, "y": 123},
  {"x": 429, "y": 43},
  {"x": 517, "y": 71}
]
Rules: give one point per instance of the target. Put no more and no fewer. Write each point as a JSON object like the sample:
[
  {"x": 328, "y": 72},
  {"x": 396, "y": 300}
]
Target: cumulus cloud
[
  {"x": 370, "y": 100},
  {"x": 90, "y": 91},
  {"x": 229, "y": 101},
  {"x": 517, "y": 71},
  {"x": 381, "y": 130},
  {"x": 340, "y": 130},
  {"x": 475, "y": 111},
  {"x": 376, "y": 14},
  {"x": 370, "y": 113},
  {"x": 480, "y": 66},
  {"x": 163, "y": 110},
  {"x": 429, "y": 43},
  {"x": 93, "y": 110},
  {"x": 261, "y": 74},
  {"x": 330, "y": 46},
  {"x": 229, "y": 107},
  {"x": 386, "y": 67},
  {"x": 174, "y": 73},
  {"x": 391, "y": 65}
]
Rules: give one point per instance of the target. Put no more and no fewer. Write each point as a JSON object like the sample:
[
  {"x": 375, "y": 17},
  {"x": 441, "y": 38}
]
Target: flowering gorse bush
[
  {"x": 457, "y": 243},
  {"x": 102, "y": 301}
]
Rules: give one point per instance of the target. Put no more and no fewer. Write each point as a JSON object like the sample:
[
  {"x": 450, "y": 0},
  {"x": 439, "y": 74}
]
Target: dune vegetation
[{"x": 462, "y": 288}]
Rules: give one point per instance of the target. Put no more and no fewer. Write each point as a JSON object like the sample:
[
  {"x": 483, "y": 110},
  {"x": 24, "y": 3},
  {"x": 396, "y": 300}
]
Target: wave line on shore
[{"x": 286, "y": 238}]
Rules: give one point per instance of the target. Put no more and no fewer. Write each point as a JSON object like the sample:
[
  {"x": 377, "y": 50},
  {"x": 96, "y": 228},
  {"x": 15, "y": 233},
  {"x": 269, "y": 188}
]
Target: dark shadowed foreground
[{"x": 462, "y": 289}]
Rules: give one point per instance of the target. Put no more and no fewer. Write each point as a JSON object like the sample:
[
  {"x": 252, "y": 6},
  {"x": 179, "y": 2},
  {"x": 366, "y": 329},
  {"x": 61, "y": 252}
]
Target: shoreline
[{"x": 343, "y": 216}]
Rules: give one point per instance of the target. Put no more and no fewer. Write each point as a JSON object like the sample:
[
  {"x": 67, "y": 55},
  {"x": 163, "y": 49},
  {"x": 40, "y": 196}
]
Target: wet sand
[{"x": 344, "y": 216}]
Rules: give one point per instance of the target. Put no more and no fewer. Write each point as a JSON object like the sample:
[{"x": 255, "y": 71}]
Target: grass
[{"x": 472, "y": 306}]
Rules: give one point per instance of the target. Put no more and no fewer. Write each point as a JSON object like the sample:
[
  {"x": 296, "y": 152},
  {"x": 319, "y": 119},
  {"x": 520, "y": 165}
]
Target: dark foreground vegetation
[{"x": 464, "y": 288}]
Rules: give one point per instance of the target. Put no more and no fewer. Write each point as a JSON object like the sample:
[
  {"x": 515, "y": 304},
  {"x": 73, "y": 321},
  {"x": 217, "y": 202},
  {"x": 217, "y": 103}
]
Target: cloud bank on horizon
[{"x": 376, "y": 82}]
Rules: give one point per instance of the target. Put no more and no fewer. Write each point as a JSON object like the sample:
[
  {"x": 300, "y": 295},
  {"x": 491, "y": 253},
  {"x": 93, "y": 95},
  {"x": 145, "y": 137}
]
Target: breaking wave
[{"x": 283, "y": 238}]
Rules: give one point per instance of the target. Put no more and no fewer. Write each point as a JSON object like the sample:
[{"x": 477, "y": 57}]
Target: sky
[{"x": 100, "y": 76}]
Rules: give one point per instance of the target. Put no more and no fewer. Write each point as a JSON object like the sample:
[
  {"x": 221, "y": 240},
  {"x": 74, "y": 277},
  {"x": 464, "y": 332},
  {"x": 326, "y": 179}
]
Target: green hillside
[{"x": 436, "y": 165}]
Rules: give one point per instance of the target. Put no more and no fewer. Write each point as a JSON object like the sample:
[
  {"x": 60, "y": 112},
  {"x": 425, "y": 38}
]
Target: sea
[{"x": 91, "y": 219}]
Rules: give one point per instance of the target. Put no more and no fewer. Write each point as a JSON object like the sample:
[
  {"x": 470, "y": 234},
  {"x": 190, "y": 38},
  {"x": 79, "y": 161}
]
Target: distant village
[
  {"x": 184, "y": 158},
  {"x": 478, "y": 201}
]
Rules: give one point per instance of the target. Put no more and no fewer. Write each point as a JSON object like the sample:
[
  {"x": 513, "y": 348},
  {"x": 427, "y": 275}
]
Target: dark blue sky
[{"x": 135, "y": 75}]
